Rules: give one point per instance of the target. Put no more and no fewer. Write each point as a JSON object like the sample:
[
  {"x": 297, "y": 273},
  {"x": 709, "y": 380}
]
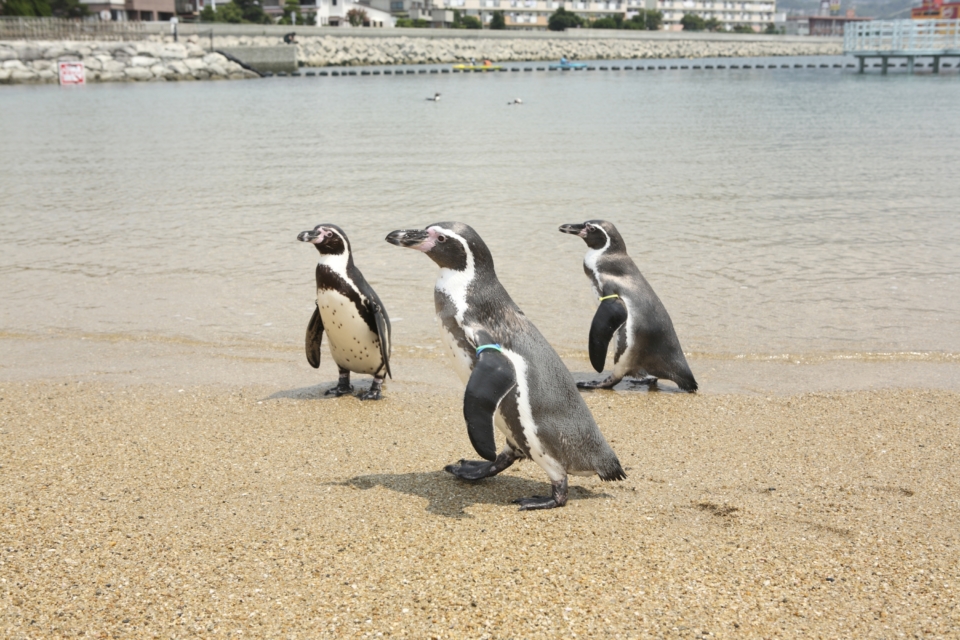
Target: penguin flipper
[
  {"x": 492, "y": 379},
  {"x": 611, "y": 314},
  {"x": 314, "y": 336},
  {"x": 383, "y": 332}
]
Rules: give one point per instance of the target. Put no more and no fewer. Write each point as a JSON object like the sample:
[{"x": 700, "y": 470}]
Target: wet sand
[{"x": 267, "y": 510}]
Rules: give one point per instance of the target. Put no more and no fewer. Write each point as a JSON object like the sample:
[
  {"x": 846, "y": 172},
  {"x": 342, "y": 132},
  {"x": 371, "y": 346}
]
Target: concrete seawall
[
  {"x": 35, "y": 62},
  {"x": 159, "y": 58}
]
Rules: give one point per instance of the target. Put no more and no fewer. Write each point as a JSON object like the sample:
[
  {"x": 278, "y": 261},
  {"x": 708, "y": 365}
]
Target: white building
[
  {"x": 534, "y": 14},
  {"x": 333, "y": 13},
  {"x": 754, "y": 13}
]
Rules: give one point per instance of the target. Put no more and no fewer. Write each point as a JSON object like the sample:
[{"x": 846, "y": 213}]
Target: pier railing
[
  {"x": 16, "y": 28},
  {"x": 902, "y": 38}
]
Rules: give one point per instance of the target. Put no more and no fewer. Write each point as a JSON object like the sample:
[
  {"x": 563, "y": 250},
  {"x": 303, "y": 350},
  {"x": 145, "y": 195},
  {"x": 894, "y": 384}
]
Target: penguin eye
[{"x": 441, "y": 238}]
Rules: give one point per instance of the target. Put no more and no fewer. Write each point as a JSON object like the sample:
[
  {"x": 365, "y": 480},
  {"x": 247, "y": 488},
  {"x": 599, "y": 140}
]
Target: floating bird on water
[
  {"x": 515, "y": 101},
  {"x": 435, "y": 98}
]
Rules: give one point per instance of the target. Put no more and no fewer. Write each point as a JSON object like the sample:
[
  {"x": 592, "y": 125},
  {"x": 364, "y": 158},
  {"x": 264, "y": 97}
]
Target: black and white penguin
[
  {"x": 435, "y": 98},
  {"x": 349, "y": 310},
  {"x": 647, "y": 344},
  {"x": 514, "y": 379}
]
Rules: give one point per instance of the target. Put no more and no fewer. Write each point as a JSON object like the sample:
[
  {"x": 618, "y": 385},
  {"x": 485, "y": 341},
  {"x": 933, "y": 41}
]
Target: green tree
[
  {"x": 356, "y": 17},
  {"x": 742, "y": 28},
  {"x": 208, "y": 14},
  {"x": 251, "y": 11},
  {"x": 229, "y": 12},
  {"x": 27, "y": 8},
  {"x": 692, "y": 22},
  {"x": 69, "y": 9},
  {"x": 772, "y": 29},
  {"x": 497, "y": 21},
  {"x": 415, "y": 24},
  {"x": 712, "y": 24},
  {"x": 638, "y": 22},
  {"x": 604, "y": 23},
  {"x": 654, "y": 20},
  {"x": 291, "y": 13},
  {"x": 561, "y": 20},
  {"x": 471, "y": 22}
]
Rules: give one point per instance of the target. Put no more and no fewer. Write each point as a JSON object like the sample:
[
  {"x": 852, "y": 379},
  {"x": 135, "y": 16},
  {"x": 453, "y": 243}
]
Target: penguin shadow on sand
[
  {"x": 315, "y": 392},
  {"x": 450, "y": 497},
  {"x": 628, "y": 385}
]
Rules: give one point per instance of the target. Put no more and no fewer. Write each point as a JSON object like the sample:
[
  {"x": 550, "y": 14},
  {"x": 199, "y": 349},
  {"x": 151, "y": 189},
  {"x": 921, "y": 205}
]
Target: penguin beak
[
  {"x": 315, "y": 236},
  {"x": 410, "y": 238},
  {"x": 574, "y": 229}
]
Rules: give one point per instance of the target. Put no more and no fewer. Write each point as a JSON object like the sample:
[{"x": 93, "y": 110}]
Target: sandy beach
[{"x": 151, "y": 510}]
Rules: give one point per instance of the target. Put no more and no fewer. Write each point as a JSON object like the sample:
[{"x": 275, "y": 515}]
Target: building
[
  {"x": 534, "y": 14},
  {"x": 752, "y": 13},
  {"x": 330, "y": 13},
  {"x": 936, "y": 10},
  {"x": 828, "y": 22},
  {"x": 132, "y": 10}
]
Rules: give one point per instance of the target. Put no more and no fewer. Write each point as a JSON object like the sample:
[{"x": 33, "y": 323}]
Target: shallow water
[{"x": 811, "y": 212}]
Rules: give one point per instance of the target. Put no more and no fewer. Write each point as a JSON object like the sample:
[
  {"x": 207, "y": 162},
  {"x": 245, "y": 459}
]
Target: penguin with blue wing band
[
  {"x": 647, "y": 344},
  {"x": 515, "y": 382}
]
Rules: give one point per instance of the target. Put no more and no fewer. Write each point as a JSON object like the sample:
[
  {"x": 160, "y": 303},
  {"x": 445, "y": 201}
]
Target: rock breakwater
[
  {"x": 36, "y": 62},
  {"x": 159, "y": 58},
  {"x": 346, "y": 51}
]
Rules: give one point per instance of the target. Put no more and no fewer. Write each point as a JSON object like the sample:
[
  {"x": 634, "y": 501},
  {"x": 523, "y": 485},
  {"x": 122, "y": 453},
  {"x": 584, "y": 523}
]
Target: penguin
[
  {"x": 646, "y": 341},
  {"x": 357, "y": 325},
  {"x": 435, "y": 98},
  {"x": 514, "y": 379}
]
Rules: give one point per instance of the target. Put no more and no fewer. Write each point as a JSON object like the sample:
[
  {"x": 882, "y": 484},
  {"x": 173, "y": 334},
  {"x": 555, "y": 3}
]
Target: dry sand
[{"x": 142, "y": 511}]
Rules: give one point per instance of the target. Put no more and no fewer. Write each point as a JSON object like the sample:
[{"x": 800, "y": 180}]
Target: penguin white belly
[
  {"x": 538, "y": 452},
  {"x": 352, "y": 344}
]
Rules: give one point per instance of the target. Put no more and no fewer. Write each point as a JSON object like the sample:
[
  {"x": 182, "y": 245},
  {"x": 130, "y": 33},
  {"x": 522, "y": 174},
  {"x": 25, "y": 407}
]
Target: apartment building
[
  {"x": 754, "y": 13},
  {"x": 534, "y": 14}
]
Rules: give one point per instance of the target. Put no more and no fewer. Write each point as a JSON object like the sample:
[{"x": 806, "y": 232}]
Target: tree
[
  {"x": 712, "y": 24},
  {"x": 291, "y": 13},
  {"x": 69, "y": 9},
  {"x": 251, "y": 11},
  {"x": 638, "y": 22},
  {"x": 416, "y": 24},
  {"x": 27, "y": 8},
  {"x": 208, "y": 14},
  {"x": 561, "y": 20},
  {"x": 229, "y": 12},
  {"x": 497, "y": 21},
  {"x": 772, "y": 29},
  {"x": 471, "y": 22},
  {"x": 654, "y": 20},
  {"x": 743, "y": 28},
  {"x": 692, "y": 22},
  {"x": 604, "y": 23},
  {"x": 356, "y": 17}
]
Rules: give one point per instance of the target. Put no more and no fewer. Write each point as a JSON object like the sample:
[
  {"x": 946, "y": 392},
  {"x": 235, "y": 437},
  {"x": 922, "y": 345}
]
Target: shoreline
[
  {"x": 159, "y": 58},
  {"x": 150, "y": 509},
  {"x": 130, "y": 360}
]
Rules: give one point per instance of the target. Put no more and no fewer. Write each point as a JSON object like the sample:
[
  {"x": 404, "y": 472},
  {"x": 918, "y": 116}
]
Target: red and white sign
[{"x": 72, "y": 73}]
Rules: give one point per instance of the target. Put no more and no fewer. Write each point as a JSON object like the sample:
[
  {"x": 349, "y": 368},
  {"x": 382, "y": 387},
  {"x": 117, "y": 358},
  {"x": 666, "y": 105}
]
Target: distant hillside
[{"x": 866, "y": 8}]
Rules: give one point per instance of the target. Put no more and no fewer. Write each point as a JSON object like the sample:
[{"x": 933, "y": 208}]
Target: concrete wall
[{"x": 273, "y": 59}]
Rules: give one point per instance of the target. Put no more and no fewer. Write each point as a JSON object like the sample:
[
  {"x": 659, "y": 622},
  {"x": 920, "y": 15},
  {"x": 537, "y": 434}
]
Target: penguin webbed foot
[
  {"x": 473, "y": 470},
  {"x": 373, "y": 393},
  {"x": 649, "y": 381},
  {"x": 339, "y": 390},
  {"x": 558, "y": 499},
  {"x": 608, "y": 383}
]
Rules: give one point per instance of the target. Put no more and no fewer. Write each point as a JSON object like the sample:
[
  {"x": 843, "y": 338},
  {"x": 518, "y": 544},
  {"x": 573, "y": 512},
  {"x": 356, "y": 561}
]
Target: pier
[{"x": 908, "y": 39}]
